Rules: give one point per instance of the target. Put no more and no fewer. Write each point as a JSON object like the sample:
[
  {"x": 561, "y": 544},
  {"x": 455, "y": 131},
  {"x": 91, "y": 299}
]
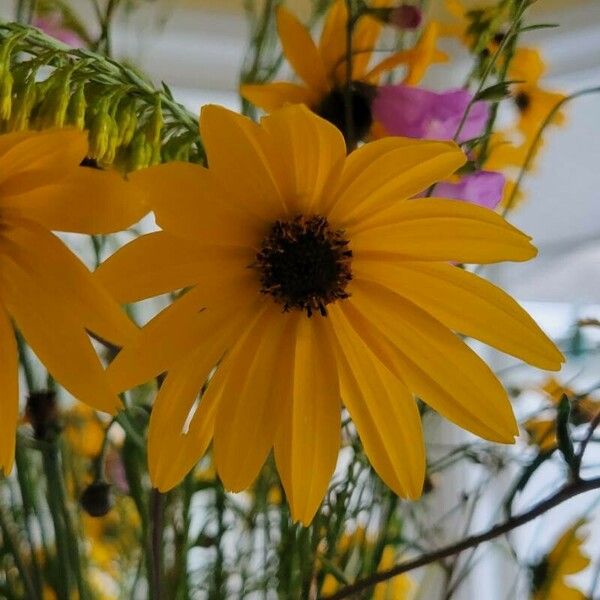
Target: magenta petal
[
  {"x": 418, "y": 113},
  {"x": 52, "y": 26},
  {"x": 484, "y": 188}
]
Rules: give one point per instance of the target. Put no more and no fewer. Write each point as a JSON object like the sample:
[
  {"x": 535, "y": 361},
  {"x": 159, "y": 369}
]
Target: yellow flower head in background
[
  {"x": 533, "y": 102},
  {"x": 323, "y": 72},
  {"x": 44, "y": 288},
  {"x": 566, "y": 558},
  {"x": 315, "y": 279},
  {"x": 83, "y": 431}
]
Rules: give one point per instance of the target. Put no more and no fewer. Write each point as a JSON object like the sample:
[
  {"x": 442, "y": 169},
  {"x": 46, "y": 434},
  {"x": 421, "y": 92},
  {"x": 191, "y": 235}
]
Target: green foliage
[{"x": 131, "y": 124}]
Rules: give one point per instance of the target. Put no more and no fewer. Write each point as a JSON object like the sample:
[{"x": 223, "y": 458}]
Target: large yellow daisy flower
[
  {"x": 44, "y": 288},
  {"x": 315, "y": 281},
  {"x": 322, "y": 68}
]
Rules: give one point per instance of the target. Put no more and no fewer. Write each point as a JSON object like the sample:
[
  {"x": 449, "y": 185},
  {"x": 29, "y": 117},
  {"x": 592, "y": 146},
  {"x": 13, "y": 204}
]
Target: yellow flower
[
  {"x": 83, "y": 431},
  {"x": 400, "y": 587},
  {"x": 323, "y": 68},
  {"x": 44, "y": 288},
  {"x": 314, "y": 278},
  {"x": 542, "y": 433},
  {"x": 566, "y": 558},
  {"x": 534, "y": 105}
]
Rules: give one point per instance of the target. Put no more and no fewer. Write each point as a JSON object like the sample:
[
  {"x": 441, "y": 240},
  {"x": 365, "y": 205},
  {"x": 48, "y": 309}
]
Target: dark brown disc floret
[{"x": 304, "y": 264}]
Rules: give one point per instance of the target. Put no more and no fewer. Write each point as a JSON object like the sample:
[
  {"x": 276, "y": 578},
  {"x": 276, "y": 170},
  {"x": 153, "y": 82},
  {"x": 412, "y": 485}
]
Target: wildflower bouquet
[{"x": 269, "y": 425}]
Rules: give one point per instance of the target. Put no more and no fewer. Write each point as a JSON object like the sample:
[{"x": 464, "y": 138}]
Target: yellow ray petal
[
  {"x": 205, "y": 316},
  {"x": 433, "y": 362},
  {"x": 467, "y": 304},
  {"x": 440, "y": 230},
  {"x": 189, "y": 202},
  {"x": 332, "y": 44},
  {"x": 366, "y": 34},
  {"x": 383, "y": 172},
  {"x": 65, "y": 280},
  {"x": 159, "y": 262},
  {"x": 384, "y": 412},
  {"x": 236, "y": 145},
  {"x": 300, "y": 50},
  {"x": 57, "y": 337},
  {"x": 172, "y": 451},
  {"x": 9, "y": 397},
  {"x": 85, "y": 200},
  {"x": 252, "y": 400},
  {"x": 44, "y": 155},
  {"x": 314, "y": 151},
  {"x": 308, "y": 440},
  {"x": 271, "y": 96}
]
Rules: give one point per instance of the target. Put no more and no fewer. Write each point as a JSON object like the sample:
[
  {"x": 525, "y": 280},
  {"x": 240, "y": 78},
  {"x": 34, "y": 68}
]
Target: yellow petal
[
  {"x": 43, "y": 155},
  {"x": 65, "y": 280},
  {"x": 433, "y": 362},
  {"x": 364, "y": 40},
  {"x": 383, "y": 172},
  {"x": 332, "y": 44},
  {"x": 189, "y": 202},
  {"x": 314, "y": 151},
  {"x": 205, "y": 316},
  {"x": 467, "y": 304},
  {"x": 308, "y": 440},
  {"x": 384, "y": 412},
  {"x": 271, "y": 96},
  {"x": 85, "y": 200},
  {"x": 9, "y": 397},
  {"x": 440, "y": 230},
  {"x": 55, "y": 333},
  {"x": 173, "y": 450},
  {"x": 252, "y": 399},
  {"x": 244, "y": 160},
  {"x": 300, "y": 50},
  {"x": 158, "y": 263}
]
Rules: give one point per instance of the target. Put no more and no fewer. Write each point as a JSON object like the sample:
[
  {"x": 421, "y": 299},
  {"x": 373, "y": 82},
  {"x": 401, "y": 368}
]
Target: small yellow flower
[
  {"x": 83, "y": 431},
  {"x": 323, "y": 68},
  {"x": 566, "y": 558},
  {"x": 315, "y": 278},
  {"x": 44, "y": 288},
  {"x": 542, "y": 433}
]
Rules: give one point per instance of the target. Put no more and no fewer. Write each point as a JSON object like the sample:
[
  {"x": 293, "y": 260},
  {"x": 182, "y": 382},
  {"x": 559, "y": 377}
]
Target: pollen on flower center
[
  {"x": 304, "y": 264},
  {"x": 332, "y": 108}
]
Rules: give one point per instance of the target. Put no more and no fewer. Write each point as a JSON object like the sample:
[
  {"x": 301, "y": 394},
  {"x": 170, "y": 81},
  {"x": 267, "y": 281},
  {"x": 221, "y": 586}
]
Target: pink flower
[
  {"x": 53, "y": 26},
  {"x": 484, "y": 188},
  {"x": 418, "y": 113},
  {"x": 424, "y": 114}
]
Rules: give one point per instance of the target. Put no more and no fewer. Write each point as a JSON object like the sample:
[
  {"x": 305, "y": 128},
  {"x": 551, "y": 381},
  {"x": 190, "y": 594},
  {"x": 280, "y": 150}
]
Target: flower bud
[
  {"x": 42, "y": 413},
  {"x": 97, "y": 499},
  {"x": 77, "y": 107},
  {"x": 403, "y": 16}
]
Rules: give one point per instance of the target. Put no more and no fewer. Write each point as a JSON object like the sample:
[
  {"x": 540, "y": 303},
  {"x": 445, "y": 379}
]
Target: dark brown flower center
[
  {"x": 333, "y": 109},
  {"x": 304, "y": 264},
  {"x": 522, "y": 100}
]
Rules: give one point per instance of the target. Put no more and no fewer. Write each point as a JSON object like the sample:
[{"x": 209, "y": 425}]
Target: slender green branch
[{"x": 568, "y": 491}]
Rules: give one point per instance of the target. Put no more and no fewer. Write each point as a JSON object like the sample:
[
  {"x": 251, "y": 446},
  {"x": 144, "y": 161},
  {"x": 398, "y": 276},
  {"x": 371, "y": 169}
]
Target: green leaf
[
  {"x": 563, "y": 435},
  {"x": 498, "y": 91}
]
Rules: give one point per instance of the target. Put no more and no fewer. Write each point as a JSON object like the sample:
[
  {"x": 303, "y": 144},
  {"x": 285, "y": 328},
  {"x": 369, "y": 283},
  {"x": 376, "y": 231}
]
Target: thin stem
[
  {"x": 565, "y": 493},
  {"x": 156, "y": 518},
  {"x": 12, "y": 542}
]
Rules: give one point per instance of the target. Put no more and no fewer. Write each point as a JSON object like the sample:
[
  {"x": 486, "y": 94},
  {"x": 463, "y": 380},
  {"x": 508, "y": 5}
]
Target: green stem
[
  {"x": 53, "y": 472},
  {"x": 156, "y": 517},
  {"x": 12, "y": 542}
]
